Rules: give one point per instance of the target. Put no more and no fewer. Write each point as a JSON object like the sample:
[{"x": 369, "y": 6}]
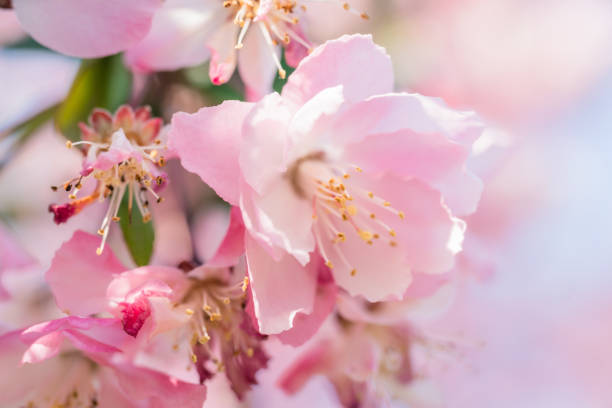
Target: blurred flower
[
  {"x": 511, "y": 61},
  {"x": 293, "y": 165}
]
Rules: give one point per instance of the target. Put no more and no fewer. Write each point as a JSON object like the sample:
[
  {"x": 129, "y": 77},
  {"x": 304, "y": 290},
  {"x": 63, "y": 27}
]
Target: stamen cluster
[{"x": 123, "y": 154}]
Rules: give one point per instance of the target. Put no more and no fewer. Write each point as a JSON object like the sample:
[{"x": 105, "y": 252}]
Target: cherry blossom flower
[
  {"x": 188, "y": 322},
  {"x": 83, "y": 350},
  {"x": 244, "y": 33},
  {"x": 368, "y": 365},
  {"x": 86, "y": 28},
  {"x": 122, "y": 153},
  {"x": 340, "y": 168}
]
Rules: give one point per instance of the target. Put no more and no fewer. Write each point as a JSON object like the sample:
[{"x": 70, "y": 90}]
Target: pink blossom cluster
[{"x": 345, "y": 203}]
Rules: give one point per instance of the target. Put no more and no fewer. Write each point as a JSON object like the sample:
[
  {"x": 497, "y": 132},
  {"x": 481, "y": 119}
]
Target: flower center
[
  {"x": 341, "y": 207},
  {"x": 277, "y": 20},
  {"x": 130, "y": 166}
]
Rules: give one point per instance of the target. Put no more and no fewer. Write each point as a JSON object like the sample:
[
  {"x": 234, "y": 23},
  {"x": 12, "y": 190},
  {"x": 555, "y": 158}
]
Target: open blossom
[
  {"x": 244, "y": 33},
  {"x": 337, "y": 167},
  {"x": 76, "y": 362},
  {"x": 122, "y": 154},
  {"x": 364, "y": 362},
  {"x": 188, "y": 322}
]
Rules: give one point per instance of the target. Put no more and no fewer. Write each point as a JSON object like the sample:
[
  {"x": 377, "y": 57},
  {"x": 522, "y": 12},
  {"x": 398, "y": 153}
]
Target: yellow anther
[
  {"x": 250, "y": 352},
  {"x": 354, "y": 272},
  {"x": 245, "y": 283},
  {"x": 204, "y": 339},
  {"x": 189, "y": 311},
  {"x": 98, "y": 251},
  {"x": 69, "y": 144},
  {"x": 392, "y": 232},
  {"x": 401, "y": 214},
  {"x": 365, "y": 235},
  {"x": 194, "y": 358},
  {"x": 392, "y": 243},
  {"x": 226, "y": 301},
  {"x": 346, "y": 176},
  {"x": 372, "y": 216},
  {"x": 387, "y": 204},
  {"x": 371, "y": 194},
  {"x": 329, "y": 265},
  {"x": 352, "y": 210}
]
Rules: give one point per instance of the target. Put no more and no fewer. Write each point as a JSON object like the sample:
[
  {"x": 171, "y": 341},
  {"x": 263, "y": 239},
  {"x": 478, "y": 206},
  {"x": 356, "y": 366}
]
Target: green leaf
[
  {"x": 102, "y": 83},
  {"x": 139, "y": 235}
]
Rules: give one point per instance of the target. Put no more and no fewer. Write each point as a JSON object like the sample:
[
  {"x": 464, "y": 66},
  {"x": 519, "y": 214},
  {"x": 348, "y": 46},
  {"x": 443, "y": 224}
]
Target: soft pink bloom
[
  {"x": 246, "y": 34},
  {"x": 337, "y": 168},
  {"x": 123, "y": 154},
  {"x": 190, "y": 322},
  {"x": 86, "y": 28},
  {"x": 77, "y": 361},
  {"x": 368, "y": 364}
]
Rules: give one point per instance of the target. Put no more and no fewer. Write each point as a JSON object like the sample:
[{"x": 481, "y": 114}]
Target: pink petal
[
  {"x": 156, "y": 389},
  {"x": 256, "y": 64},
  {"x": 414, "y": 136},
  {"x": 177, "y": 37},
  {"x": 91, "y": 335},
  {"x": 265, "y": 140},
  {"x": 281, "y": 219},
  {"x": 223, "y": 53},
  {"x": 216, "y": 129},
  {"x": 78, "y": 277},
  {"x": 232, "y": 246},
  {"x": 317, "y": 360},
  {"x": 43, "y": 348},
  {"x": 354, "y": 61},
  {"x": 428, "y": 234},
  {"x": 281, "y": 289},
  {"x": 309, "y": 127},
  {"x": 378, "y": 272},
  {"x": 86, "y": 28},
  {"x": 306, "y": 325},
  {"x": 148, "y": 280}
]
